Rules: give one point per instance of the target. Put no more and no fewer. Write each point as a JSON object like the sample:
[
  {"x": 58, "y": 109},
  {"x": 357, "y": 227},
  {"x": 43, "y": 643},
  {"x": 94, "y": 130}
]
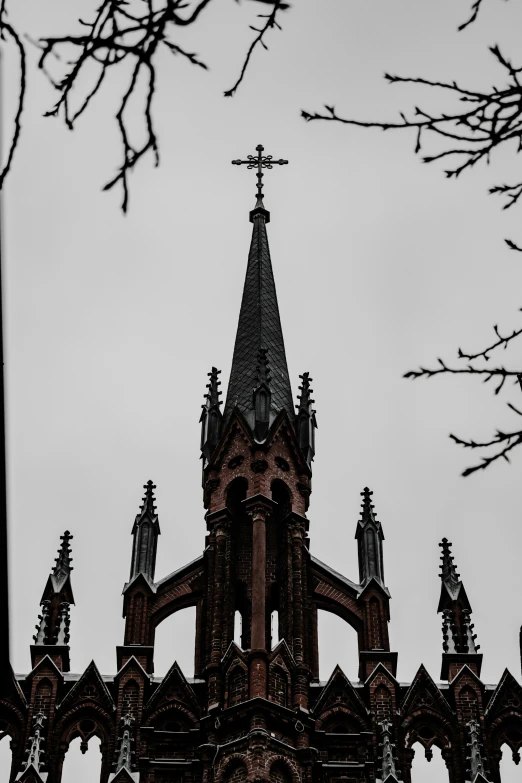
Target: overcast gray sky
[{"x": 381, "y": 264}]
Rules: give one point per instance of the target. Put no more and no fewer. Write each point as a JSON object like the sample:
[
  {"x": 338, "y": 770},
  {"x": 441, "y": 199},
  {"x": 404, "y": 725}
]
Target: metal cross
[{"x": 260, "y": 162}]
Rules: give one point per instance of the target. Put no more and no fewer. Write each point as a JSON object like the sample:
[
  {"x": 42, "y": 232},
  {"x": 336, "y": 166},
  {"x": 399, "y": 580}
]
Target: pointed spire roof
[
  {"x": 148, "y": 505},
  {"x": 259, "y": 327},
  {"x": 452, "y": 586},
  {"x": 62, "y": 568},
  {"x": 368, "y": 514}
]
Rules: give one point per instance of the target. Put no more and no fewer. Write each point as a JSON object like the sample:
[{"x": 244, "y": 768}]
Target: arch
[
  {"x": 282, "y": 495},
  {"x": 274, "y": 628},
  {"x": 43, "y": 696},
  {"x": 235, "y": 493},
  {"x": 280, "y": 773},
  {"x": 80, "y": 766},
  {"x": 508, "y": 764},
  {"x": 428, "y": 765},
  {"x": 340, "y": 715},
  {"x": 337, "y": 645},
  {"x": 176, "y": 712},
  {"x": 171, "y": 719},
  {"x": 6, "y": 755},
  {"x": 238, "y": 628},
  {"x": 234, "y": 770},
  {"x": 175, "y": 640}
]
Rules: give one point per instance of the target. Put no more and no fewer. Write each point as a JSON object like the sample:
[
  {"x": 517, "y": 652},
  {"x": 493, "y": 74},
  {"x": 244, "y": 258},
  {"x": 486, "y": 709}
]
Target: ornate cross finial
[{"x": 260, "y": 162}]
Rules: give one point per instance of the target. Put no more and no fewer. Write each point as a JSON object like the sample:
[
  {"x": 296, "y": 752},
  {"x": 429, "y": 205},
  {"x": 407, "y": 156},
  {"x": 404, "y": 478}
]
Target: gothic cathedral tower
[{"x": 256, "y": 710}]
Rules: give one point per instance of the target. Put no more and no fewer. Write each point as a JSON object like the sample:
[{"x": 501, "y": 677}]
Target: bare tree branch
[
  {"x": 505, "y": 440},
  {"x": 7, "y": 32},
  {"x": 270, "y": 22},
  {"x": 484, "y": 121}
]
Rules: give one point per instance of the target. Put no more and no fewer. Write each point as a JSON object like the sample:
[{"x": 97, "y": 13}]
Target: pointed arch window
[
  {"x": 82, "y": 762},
  {"x": 6, "y": 755},
  {"x": 509, "y": 772},
  {"x": 428, "y": 766}
]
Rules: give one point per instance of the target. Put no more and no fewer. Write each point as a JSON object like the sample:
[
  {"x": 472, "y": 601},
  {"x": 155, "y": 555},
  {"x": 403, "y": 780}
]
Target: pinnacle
[
  {"x": 213, "y": 394},
  {"x": 63, "y": 561},
  {"x": 305, "y": 398},
  {"x": 368, "y": 511},
  {"x": 448, "y": 569},
  {"x": 149, "y": 500}
]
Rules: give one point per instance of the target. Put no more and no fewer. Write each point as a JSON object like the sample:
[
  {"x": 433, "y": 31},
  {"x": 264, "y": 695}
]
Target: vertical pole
[{"x": 5, "y": 668}]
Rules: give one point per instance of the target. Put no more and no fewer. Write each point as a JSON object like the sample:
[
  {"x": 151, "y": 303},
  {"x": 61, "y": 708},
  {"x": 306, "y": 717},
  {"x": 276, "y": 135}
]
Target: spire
[
  {"x": 53, "y": 622},
  {"x": 306, "y": 422},
  {"x": 145, "y": 531},
  {"x": 125, "y": 763},
  {"x": 259, "y": 328},
  {"x": 369, "y": 537},
  {"x": 211, "y": 417},
  {"x": 457, "y": 628}
]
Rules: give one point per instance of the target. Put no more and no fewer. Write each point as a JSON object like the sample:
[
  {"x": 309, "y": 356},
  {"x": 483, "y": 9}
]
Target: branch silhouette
[
  {"x": 502, "y": 442},
  {"x": 127, "y": 38},
  {"x": 9, "y": 34},
  {"x": 480, "y": 123}
]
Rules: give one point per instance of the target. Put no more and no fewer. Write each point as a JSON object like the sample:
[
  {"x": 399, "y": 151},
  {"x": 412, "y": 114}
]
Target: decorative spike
[
  {"x": 211, "y": 418},
  {"x": 125, "y": 754},
  {"x": 63, "y": 566},
  {"x": 149, "y": 501},
  {"x": 369, "y": 536},
  {"x": 263, "y": 369},
  {"x": 306, "y": 419},
  {"x": 449, "y": 574}
]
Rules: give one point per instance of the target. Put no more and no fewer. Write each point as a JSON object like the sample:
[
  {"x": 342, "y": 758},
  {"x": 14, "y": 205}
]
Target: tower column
[
  {"x": 258, "y": 508},
  {"x": 258, "y": 578}
]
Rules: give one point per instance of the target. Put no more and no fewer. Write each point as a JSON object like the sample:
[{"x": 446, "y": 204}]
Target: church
[{"x": 255, "y": 710}]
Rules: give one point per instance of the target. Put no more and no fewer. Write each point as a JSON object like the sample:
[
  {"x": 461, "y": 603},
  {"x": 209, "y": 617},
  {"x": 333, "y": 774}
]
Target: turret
[
  {"x": 211, "y": 417},
  {"x": 369, "y": 537},
  {"x": 52, "y": 629},
  {"x": 145, "y": 531},
  {"x": 306, "y": 423},
  {"x": 457, "y": 629}
]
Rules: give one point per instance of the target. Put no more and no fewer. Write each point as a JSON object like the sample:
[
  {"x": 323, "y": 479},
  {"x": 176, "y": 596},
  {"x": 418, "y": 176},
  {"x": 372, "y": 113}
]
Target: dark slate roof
[{"x": 259, "y": 327}]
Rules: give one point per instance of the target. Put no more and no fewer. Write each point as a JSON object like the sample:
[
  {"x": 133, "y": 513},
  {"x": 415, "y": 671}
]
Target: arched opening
[
  {"x": 281, "y": 495},
  {"x": 238, "y": 628},
  {"x": 428, "y": 766},
  {"x": 274, "y": 628},
  {"x": 6, "y": 756},
  {"x": 83, "y": 767},
  {"x": 175, "y": 640},
  {"x": 337, "y": 643},
  {"x": 509, "y": 773},
  {"x": 236, "y": 493}
]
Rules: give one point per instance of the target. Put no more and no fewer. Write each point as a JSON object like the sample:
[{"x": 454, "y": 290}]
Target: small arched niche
[
  {"x": 82, "y": 762},
  {"x": 509, "y": 771},
  {"x": 236, "y": 493},
  {"x": 337, "y": 645},
  {"x": 175, "y": 640},
  {"x": 428, "y": 766}
]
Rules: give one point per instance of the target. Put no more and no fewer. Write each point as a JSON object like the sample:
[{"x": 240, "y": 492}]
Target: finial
[
  {"x": 305, "y": 398},
  {"x": 448, "y": 573},
  {"x": 259, "y": 162},
  {"x": 367, "y": 508},
  {"x": 213, "y": 394},
  {"x": 149, "y": 501},
  {"x": 63, "y": 562}
]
